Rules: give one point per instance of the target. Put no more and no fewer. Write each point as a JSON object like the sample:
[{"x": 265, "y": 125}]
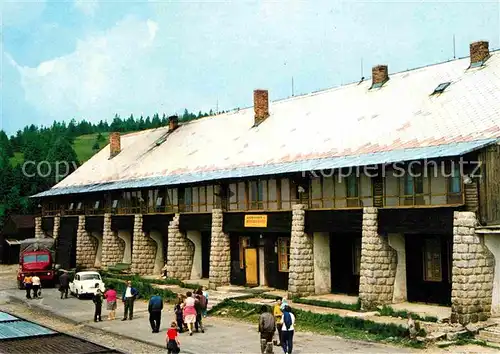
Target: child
[
  {"x": 205, "y": 293},
  {"x": 179, "y": 316},
  {"x": 97, "y": 299},
  {"x": 173, "y": 344}
]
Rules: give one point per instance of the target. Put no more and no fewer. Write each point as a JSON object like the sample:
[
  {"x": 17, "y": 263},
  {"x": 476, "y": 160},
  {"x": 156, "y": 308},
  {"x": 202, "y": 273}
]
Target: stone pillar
[
  {"x": 472, "y": 272},
  {"x": 180, "y": 252},
  {"x": 38, "y": 228},
  {"x": 57, "y": 224},
  {"x": 220, "y": 253},
  {"x": 112, "y": 246},
  {"x": 143, "y": 250},
  {"x": 301, "y": 266},
  {"x": 86, "y": 246},
  {"x": 378, "y": 264}
]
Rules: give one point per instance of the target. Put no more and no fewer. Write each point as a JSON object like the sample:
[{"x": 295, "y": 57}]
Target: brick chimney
[
  {"x": 260, "y": 105},
  {"x": 479, "y": 52},
  {"x": 380, "y": 74},
  {"x": 173, "y": 123},
  {"x": 114, "y": 144}
]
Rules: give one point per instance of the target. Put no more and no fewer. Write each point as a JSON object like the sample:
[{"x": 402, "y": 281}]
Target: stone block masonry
[
  {"x": 86, "y": 246},
  {"x": 301, "y": 264},
  {"x": 378, "y": 264},
  {"x": 143, "y": 250},
  {"x": 180, "y": 252},
  {"x": 38, "y": 228},
  {"x": 472, "y": 272},
  {"x": 112, "y": 246},
  {"x": 220, "y": 253},
  {"x": 57, "y": 226}
]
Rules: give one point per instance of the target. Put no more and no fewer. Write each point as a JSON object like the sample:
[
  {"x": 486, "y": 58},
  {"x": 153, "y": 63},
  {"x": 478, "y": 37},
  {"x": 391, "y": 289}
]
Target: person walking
[
  {"x": 189, "y": 312},
  {"x": 110, "y": 296},
  {"x": 64, "y": 284},
  {"x": 128, "y": 298},
  {"x": 37, "y": 284},
  {"x": 178, "y": 313},
  {"x": 267, "y": 328},
  {"x": 278, "y": 314},
  {"x": 28, "y": 284},
  {"x": 287, "y": 330},
  {"x": 200, "y": 306},
  {"x": 205, "y": 293},
  {"x": 173, "y": 344},
  {"x": 97, "y": 300},
  {"x": 154, "y": 308}
]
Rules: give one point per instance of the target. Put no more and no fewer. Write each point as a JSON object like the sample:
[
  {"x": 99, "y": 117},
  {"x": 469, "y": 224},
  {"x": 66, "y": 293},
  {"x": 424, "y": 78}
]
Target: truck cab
[{"x": 36, "y": 260}]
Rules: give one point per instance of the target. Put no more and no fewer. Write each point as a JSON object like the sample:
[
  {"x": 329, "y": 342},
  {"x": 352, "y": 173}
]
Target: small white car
[{"x": 86, "y": 283}]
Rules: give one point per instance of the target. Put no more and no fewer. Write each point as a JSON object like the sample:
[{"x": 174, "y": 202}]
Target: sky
[{"x": 92, "y": 59}]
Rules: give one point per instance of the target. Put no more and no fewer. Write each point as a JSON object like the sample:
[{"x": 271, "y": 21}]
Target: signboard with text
[{"x": 253, "y": 220}]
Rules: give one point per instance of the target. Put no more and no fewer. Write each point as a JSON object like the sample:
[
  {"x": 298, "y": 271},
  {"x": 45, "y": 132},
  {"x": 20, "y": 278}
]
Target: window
[
  {"x": 408, "y": 188},
  {"x": 352, "y": 186},
  {"x": 256, "y": 194},
  {"x": 42, "y": 258},
  {"x": 244, "y": 243},
  {"x": 283, "y": 253},
  {"x": 455, "y": 180},
  {"x": 432, "y": 260},
  {"x": 96, "y": 205},
  {"x": 356, "y": 256},
  {"x": 71, "y": 206},
  {"x": 29, "y": 259},
  {"x": 90, "y": 277},
  {"x": 441, "y": 87},
  {"x": 79, "y": 206}
]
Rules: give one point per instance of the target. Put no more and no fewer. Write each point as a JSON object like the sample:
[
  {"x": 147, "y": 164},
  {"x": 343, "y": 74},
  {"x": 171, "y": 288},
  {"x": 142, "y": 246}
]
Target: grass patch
[
  {"x": 137, "y": 278},
  {"x": 145, "y": 290},
  {"x": 348, "y": 327},
  {"x": 389, "y": 311},
  {"x": 84, "y": 143},
  {"x": 329, "y": 304}
]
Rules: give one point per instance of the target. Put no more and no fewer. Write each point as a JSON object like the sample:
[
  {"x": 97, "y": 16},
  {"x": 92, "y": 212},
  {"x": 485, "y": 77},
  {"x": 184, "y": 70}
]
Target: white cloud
[
  {"x": 118, "y": 71},
  {"x": 20, "y": 13},
  {"x": 88, "y": 7}
]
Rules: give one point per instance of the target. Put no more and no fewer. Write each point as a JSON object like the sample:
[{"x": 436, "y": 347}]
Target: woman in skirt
[
  {"x": 110, "y": 296},
  {"x": 189, "y": 312}
]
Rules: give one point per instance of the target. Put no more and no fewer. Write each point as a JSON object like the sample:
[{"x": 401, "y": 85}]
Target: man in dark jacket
[
  {"x": 267, "y": 326},
  {"x": 64, "y": 284},
  {"x": 155, "y": 306},
  {"x": 128, "y": 298}
]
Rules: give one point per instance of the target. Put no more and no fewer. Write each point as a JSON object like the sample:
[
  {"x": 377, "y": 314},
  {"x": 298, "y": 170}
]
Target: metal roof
[
  {"x": 19, "y": 329},
  {"x": 455, "y": 149},
  {"x": 7, "y": 317},
  {"x": 348, "y": 125}
]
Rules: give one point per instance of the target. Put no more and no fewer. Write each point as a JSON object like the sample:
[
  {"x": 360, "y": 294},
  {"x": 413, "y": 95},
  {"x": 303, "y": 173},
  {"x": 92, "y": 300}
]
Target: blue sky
[{"x": 92, "y": 59}]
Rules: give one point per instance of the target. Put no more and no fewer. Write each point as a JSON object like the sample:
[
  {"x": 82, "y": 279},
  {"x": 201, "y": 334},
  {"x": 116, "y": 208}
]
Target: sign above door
[{"x": 254, "y": 220}]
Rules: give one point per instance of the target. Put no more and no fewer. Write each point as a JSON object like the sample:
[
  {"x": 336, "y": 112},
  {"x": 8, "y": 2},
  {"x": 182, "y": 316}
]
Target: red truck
[{"x": 36, "y": 256}]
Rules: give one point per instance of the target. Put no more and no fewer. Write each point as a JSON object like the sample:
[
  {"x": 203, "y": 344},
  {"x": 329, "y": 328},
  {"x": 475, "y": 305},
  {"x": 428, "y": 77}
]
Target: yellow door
[{"x": 251, "y": 269}]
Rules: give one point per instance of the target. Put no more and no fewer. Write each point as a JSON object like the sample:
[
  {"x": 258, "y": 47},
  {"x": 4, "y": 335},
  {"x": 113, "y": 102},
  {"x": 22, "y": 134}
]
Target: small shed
[{"x": 15, "y": 229}]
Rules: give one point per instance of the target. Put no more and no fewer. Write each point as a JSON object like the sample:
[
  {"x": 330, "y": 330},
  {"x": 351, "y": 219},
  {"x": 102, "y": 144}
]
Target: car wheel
[{"x": 78, "y": 296}]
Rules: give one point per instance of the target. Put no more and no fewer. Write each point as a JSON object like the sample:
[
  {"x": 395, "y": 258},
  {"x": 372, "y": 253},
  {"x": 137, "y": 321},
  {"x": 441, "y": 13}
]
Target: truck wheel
[{"x": 20, "y": 285}]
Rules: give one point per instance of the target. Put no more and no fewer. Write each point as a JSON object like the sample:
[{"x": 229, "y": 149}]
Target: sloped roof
[{"x": 351, "y": 123}]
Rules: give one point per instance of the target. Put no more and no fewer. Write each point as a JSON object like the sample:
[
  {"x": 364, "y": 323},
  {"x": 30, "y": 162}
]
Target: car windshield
[
  {"x": 29, "y": 259},
  {"x": 90, "y": 277},
  {"x": 42, "y": 258}
]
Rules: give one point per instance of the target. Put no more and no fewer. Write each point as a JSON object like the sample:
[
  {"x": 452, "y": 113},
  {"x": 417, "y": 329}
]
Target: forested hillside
[{"x": 29, "y": 159}]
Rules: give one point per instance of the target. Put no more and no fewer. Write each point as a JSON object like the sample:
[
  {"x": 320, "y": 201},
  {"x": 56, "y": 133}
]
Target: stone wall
[
  {"x": 143, "y": 250},
  {"x": 378, "y": 264},
  {"x": 86, "y": 246},
  {"x": 38, "y": 228},
  {"x": 57, "y": 225},
  {"x": 220, "y": 253},
  {"x": 112, "y": 246},
  {"x": 472, "y": 272},
  {"x": 301, "y": 264},
  {"x": 180, "y": 252}
]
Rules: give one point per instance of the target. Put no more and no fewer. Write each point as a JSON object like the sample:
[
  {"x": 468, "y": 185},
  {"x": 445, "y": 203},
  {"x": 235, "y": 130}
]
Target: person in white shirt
[
  {"x": 36, "y": 285},
  {"x": 287, "y": 330},
  {"x": 128, "y": 299}
]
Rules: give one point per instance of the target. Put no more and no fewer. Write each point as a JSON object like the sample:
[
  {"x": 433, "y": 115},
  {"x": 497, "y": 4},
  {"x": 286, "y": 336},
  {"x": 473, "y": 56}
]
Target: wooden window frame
[
  {"x": 283, "y": 243},
  {"x": 436, "y": 263},
  {"x": 243, "y": 243},
  {"x": 356, "y": 256}
]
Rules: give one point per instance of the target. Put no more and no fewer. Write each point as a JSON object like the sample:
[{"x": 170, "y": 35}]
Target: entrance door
[
  {"x": 205, "y": 254},
  {"x": 251, "y": 267}
]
